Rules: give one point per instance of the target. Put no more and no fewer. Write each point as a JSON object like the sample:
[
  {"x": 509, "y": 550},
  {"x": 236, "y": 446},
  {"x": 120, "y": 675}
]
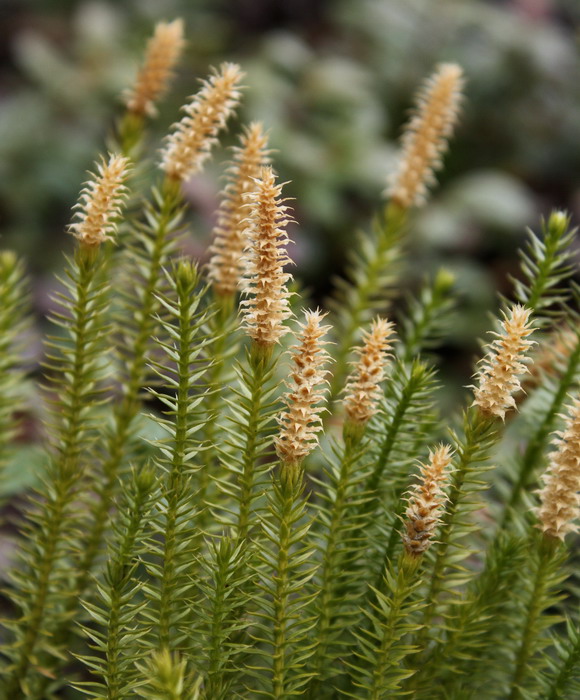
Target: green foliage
[
  {"x": 404, "y": 422},
  {"x": 340, "y": 512},
  {"x": 562, "y": 680},
  {"x": 114, "y": 634},
  {"x": 74, "y": 361},
  {"x": 447, "y": 571},
  {"x": 167, "y": 678},
  {"x": 547, "y": 265},
  {"x": 147, "y": 252},
  {"x": 14, "y": 303},
  {"x": 368, "y": 285},
  {"x": 180, "y": 373},
  {"x": 539, "y": 595},
  {"x": 228, "y": 573},
  {"x": 224, "y": 583},
  {"x": 467, "y": 656},
  {"x": 247, "y": 453},
  {"x": 399, "y": 434},
  {"x": 426, "y": 319},
  {"x": 376, "y": 670},
  {"x": 282, "y": 627}
]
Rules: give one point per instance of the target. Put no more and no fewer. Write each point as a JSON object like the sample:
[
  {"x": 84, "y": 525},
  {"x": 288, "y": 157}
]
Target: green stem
[
  {"x": 472, "y": 630},
  {"x": 378, "y": 253},
  {"x": 54, "y": 520},
  {"x": 124, "y": 413},
  {"x": 174, "y": 489},
  {"x": 425, "y": 316},
  {"x": 119, "y": 577},
  {"x": 372, "y": 486},
  {"x": 113, "y": 646},
  {"x": 14, "y": 307},
  {"x": 549, "y": 265},
  {"x": 130, "y": 134},
  {"x": 406, "y": 577},
  {"x": 331, "y": 565},
  {"x": 222, "y": 617},
  {"x": 223, "y": 329},
  {"x": 541, "y": 583},
  {"x": 128, "y": 408},
  {"x": 478, "y": 434},
  {"x": 395, "y": 534},
  {"x": 50, "y": 539},
  {"x": 286, "y": 495},
  {"x": 215, "y": 672},
  {"x": 260, "y": 367}
]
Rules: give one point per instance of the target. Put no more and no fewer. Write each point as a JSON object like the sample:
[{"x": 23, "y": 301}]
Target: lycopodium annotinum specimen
[{"x": 243, "y": 495}]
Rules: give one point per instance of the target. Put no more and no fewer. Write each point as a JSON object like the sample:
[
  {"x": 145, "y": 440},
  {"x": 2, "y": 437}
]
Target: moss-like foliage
[{"x": 219, "y": 518}]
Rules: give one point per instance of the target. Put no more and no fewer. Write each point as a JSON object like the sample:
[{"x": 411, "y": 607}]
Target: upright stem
[
  {"x": 124, "y": 413},
  {"x": 66, "y": 469},
  {"x": 223, "y": 326},
  {"x": 227, "y": 575},
  {"x": 406, "y": 576},
  {"x": 281, "y": 594},
  {"x": 129, "y": 406},
  {"x": 260, "y": 367},
  {"x": 130, "y": 133},
  {"x": 547, "y": 548},
  {"x": 14, "y": 307},
  {"x": 478, "y": 433},
  {"x": 119, "y": 575},
  {"x": 372, "y": 486},
  {"x": 330, "y": 566},
  {"x": 174, "y": 488},
  {"x": 379, "y": 252}
]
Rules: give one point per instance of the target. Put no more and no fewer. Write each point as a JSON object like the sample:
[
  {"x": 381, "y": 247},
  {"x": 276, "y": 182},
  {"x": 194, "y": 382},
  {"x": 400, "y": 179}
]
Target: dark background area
[{"x": 332, "y": 80}]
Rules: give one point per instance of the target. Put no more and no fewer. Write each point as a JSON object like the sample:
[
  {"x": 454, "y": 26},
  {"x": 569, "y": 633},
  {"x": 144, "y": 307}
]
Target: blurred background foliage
[{"x": 333, "y": 81}]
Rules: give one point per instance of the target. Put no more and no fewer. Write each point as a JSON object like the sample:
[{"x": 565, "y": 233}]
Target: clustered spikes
[
  {"x": 498, "y": 374},
  {"x": 363, "y": 386},
  {"x": 100, "y": 203},
  {"x": 267, "y": 305},
  {"x": 560, "y": 498},
  {"x": 226, "y": 267},
  {"x": 189, "y": 146},
  {"x": 425, "y": 502},
  {"x": 161, "y": 56},
  {"x": 301, "y": 422},
  {"x": 425, "y": 137}
]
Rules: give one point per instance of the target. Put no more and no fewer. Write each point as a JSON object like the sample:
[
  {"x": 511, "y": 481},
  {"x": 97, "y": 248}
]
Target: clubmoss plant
[
  {"x": 376, "y": 262},
  {"x": 76, "y": 387},
  {"x": 14, "y": 320},
  {"x": 152, "y": 81},
  {"x": 235, "y": 504}
]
